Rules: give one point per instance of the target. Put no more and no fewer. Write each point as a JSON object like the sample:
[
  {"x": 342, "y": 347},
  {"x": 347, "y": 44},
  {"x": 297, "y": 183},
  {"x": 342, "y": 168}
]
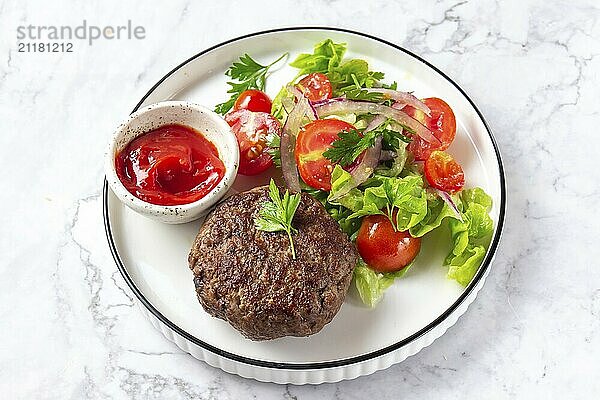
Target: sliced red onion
[
  {"x": 298, "y": 94},
  {"x": 363, "y": 170},
  {"x": 288, "y": 142},
  {"x": 362, "y": 107},
  {"x": 332, "y": 100},
  {"x": 367, "y": 163},
  {"x": 295, "y": 91},
  {"x": 387, "y": 155},
  {"x": 401, "y": 97},
  {"x": 288, "y": 103},
  {"x": 375, "y": 122},
  {"x": 448, "y": 200},
  {"x": 398, "y": 105},
  {"x": 313, "y": 111}
]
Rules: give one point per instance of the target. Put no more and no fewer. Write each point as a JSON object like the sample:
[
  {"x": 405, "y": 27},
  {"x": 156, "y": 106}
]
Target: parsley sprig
[
  {"x": 356, "y": 92},
  {"x": 249, "y": 74},
  {"x": 392, "y": 139},
  {"x": 352, "y": 92},
  {"x": 350, "y": 144},
  {"x": 274, "y": 144},
  {"x": 277, "y": 215}
]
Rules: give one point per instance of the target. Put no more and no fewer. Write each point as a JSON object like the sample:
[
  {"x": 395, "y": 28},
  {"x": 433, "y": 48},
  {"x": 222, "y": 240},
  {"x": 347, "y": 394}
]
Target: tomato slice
[
  {"x": 443, "y": 172},
  {"x": 312, "y": 141},
  {"x": 383, "y": 248},
  {"x": 251, "y": 130},
  {"x": 442, "y": 123},
  {"x": 315, "y": 86},
  {"x": 253, "y": 100}
]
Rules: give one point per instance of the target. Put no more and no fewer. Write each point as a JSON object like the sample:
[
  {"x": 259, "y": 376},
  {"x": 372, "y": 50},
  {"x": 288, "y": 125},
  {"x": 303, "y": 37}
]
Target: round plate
[{"x": 415, "y": 311}]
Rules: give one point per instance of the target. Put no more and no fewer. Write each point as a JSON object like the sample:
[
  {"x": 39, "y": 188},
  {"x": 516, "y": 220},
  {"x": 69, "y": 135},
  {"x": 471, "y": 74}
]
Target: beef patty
[{"x": 249, "y": 278}]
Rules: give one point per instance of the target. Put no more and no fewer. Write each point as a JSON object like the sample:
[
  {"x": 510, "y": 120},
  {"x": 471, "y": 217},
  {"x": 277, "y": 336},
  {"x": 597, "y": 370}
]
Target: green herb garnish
[
  {"x": 274, "y": 144},
  {"x": 277, "y": 215},
  {"x": 346, "y": 77},
  {"x": 393, "y": 140},
  {"x": 353, "y": 73},
  {"x": 352, "y": 92},
  {"x": 350, "y": 144},
  {"x": 249, "y": 74}
]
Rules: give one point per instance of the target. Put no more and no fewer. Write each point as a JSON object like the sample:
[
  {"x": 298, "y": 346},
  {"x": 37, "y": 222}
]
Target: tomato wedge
[
  {"x": 443, "y": 172},
  {"x": 312, "y": 141},
  {"x": 253, "y": 100},
  {"x": 442, "y": 123},
  {"x": 383, "y": 248},
  {"x": 251, "y": 130},
  {"x": 315, "y": 86}
]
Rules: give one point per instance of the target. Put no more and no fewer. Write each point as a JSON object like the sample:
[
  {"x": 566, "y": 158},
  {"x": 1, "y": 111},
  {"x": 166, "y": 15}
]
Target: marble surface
[{"x": 69, "y": 325}]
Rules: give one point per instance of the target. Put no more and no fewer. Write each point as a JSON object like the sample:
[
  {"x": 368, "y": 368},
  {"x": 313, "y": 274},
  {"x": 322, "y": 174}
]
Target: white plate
[{"x": 415, "y": 311}]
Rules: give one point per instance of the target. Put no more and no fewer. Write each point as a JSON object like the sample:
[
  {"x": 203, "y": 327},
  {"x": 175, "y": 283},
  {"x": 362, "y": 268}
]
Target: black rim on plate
[{"x": 328, "y": 364}]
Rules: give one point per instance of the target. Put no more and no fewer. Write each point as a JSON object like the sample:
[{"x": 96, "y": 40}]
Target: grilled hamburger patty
[{"x": 248, "y": 277}]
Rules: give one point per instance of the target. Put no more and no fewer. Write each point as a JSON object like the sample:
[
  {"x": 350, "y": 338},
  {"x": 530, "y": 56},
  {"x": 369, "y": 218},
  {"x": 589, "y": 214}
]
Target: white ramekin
[{"x": 210, "y": 124}]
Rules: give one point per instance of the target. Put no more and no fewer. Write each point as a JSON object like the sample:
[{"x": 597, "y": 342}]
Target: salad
[{"x": 374, "y": 157}]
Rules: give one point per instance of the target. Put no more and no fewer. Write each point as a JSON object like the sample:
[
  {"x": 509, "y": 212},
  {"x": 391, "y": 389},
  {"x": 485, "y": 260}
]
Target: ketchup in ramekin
[{"x": 170, "y": 165}]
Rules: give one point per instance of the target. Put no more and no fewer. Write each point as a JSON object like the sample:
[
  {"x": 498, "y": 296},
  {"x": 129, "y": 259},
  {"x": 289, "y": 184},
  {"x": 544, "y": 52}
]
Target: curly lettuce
[
  {"x": 326, "y": 56},
  {"x": 402, "y": 200},
  {"x": 371, "y": 285},
  {"x": 471, "y": 236},
  {"x": 348, "y": 77},
  {"x": 437, "y": 211},
  {"x": 409, "y": 206}
]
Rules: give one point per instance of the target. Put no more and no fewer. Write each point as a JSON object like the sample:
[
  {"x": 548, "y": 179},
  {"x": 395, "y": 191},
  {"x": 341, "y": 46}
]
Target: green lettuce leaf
[
  {"x": 346, "y": 77},
  {"x": 326, "y": 56},
  {"x": 481, "y": 225},
  {"x": 405, "y": 198},
  {"x": 339, "y": 179},
  {"x": 337, "y": 212},
  {"x": 437, "y": 211},
  {"x": 341, "y": 214},
  {"x": 371, "y": 285},
  {"x": 277, "y": 109},
  {"x": 410, "y": 199},
  {"x": 352, "y": 73},
  {"x": 397, "y": 164},
  {"x": 319, "y": 195},
  {"x": 476, "y": 196},
  {"x": 471, "y": 236},
  {"x": 463, "y": 267}
]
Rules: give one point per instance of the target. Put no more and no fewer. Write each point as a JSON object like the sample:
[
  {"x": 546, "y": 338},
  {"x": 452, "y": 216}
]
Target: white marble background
[{"x": 69, "y": 329}]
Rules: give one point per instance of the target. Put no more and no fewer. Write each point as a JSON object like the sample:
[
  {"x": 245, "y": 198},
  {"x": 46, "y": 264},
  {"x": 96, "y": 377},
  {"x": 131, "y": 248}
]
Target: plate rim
[{"x": 345, "y": 361}]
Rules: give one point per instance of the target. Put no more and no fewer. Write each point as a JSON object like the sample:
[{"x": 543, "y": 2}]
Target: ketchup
[{"x": 170, "y": 165}]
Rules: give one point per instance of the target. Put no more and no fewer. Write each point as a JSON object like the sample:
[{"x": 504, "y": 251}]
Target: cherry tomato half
[
  {"x": 315, "y": 86},
  {"x": 312, "y": 141},
  {"x": 251, "y": 130},
  {"x": 383, "y": 248},
  {"x": 443, "y": 172},
  {"x": 442, "y": 123},
  {"x": 253, "y": 100}
]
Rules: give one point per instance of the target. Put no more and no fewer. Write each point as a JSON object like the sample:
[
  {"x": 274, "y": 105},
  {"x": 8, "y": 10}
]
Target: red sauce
[{"x": 171, "y": 165}]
